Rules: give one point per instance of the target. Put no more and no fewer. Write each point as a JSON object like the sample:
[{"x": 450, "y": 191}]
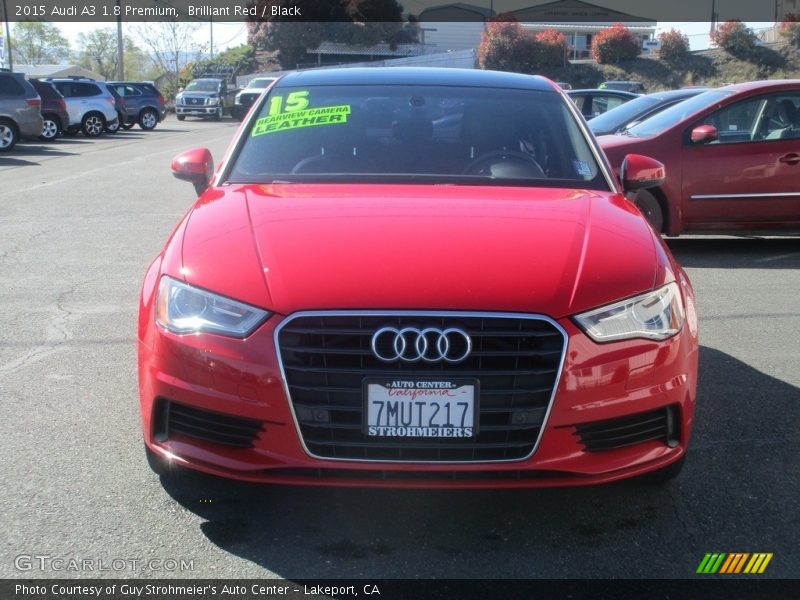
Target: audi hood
[{"x": 289, "y": 247}]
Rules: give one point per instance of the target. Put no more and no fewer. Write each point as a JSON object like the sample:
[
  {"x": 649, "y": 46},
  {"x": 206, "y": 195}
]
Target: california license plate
[{"x": 421, "y": 408}]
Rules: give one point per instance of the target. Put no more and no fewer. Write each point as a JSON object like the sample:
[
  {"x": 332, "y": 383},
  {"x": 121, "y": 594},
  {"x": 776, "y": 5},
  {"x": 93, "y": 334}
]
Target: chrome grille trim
[{"x": 420, "y": 314}]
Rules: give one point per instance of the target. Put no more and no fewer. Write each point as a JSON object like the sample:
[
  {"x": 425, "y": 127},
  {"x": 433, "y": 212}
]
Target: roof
[
  {"x": 575, "y": 10},
  {"x": 599, "y": 92},
  {"x": 418, "y": 76},
  {"x": 40, "y": 71},
  {"x": 484, "y": 12},
  {"x": 758, "y": 85},
  {"x": 683, "y": 92}
]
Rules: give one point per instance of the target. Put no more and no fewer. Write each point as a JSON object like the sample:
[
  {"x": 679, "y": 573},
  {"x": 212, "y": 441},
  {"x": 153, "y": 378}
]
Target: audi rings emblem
[{"x": 430, "y": 345}]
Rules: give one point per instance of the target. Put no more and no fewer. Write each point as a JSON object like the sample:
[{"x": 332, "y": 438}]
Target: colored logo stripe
[
  {"x": 724, "y": 563},
  {"x": 758, "y": 563},
  {"x": 711, "y": 562}
]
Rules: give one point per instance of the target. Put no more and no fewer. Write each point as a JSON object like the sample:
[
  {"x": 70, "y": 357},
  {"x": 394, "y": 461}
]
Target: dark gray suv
[
  {"x": 145, "y": 104},
  {"x": 20, "y": 110}
]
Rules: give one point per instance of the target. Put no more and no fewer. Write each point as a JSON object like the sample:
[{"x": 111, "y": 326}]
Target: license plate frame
[{"x": 457, "y": 431}]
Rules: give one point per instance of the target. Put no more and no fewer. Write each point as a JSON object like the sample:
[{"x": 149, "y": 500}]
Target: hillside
[{"x": 709, "y": 67}]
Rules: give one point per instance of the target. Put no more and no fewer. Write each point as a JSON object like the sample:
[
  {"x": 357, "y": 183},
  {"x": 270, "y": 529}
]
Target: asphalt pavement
[{"x": 80, "y": 220}]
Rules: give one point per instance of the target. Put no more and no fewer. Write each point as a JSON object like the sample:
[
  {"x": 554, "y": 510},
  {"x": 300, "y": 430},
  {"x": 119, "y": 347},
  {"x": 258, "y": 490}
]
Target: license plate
[{"x": 421, "y": 408}]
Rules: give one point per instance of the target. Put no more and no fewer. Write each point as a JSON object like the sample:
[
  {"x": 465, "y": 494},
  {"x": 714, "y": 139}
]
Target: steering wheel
[
  {"x": 511, "y": 164},
  {"x": 321, "y": 163}
]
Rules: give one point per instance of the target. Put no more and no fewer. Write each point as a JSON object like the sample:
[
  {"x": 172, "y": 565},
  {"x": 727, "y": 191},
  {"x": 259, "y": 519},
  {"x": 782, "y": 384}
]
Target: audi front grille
[{"x": 325, "y": 358}]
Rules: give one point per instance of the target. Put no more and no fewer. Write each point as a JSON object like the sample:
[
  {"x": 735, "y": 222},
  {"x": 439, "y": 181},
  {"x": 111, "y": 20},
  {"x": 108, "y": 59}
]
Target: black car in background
[
  {"x": 54, "y": 110},
  {"x": 595, "y": 102},
  {"x": 637, "y": 110},
  {"x": 144, "y": 102},
  {"x": 244, "y": 99}
]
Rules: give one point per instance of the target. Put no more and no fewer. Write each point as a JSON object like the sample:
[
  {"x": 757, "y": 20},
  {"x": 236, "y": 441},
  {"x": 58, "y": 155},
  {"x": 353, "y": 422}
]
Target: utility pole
[
  {"x": 211, "y": 29},
  {"x": 8, "y": 36},
  {"x": 120, "y": 53},
  {"x": 713, "y": 16}
]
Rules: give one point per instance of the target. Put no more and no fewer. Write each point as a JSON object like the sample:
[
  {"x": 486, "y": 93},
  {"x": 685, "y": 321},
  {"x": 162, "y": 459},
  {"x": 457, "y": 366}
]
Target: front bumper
[
  {"x": 197, "y": 111},
  {"x": 242, "y": 378}
]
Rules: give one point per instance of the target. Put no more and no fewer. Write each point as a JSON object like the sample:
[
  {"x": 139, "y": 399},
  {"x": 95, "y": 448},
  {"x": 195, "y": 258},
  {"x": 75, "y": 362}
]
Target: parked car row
[
  {"x": 732, "y": 156},
  {"x": 47, "y": 108}
]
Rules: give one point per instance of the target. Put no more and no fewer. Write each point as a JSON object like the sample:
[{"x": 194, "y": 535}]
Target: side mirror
[
  {"x": 195, "y": 166},
  {"x": 704, "y": 134},
  {"x": 639, "y": 172}
]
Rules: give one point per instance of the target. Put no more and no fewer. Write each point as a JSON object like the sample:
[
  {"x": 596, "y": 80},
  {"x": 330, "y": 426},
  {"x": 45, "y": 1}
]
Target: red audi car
[
  {"x": 733, "y": 158},
  {"x": 422, "y": 278}
]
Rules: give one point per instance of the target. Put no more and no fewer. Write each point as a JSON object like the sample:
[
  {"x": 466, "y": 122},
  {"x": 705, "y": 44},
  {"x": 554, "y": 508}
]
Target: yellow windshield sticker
[{"x": 296, "y": 115}]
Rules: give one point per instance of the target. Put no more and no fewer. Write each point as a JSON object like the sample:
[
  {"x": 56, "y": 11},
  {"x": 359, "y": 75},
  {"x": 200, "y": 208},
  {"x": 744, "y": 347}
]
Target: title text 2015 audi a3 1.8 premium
[{"x": 416, "y": 278}]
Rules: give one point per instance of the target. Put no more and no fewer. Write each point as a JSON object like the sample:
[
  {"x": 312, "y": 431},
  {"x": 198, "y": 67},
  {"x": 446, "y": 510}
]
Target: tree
[
  {"x": 97, "y": 51},
  {"x": 615, "y": 44},
  {"x": 508, "y": 46},
  {"x": 37, "y": 43},
  {"x": 674, "y": 45},
  {"x": 735, "y": 37},
  {"x": 170, "y": 45},
  {"x": 354, "y": 22},
  {"x": 789, "y": 29},
  {"x": 554, "y": 48},
  {"x": 241, "y": 59},
  {"x": 138, "y": 65}
]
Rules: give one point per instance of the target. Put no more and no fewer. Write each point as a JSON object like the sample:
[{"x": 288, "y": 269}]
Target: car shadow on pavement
[
  {"x": 736, "y": 493},
  {"x": 16, "y": 162},
  {"x": 737, "y": 253},
  {"x": 39, "y": 150}
]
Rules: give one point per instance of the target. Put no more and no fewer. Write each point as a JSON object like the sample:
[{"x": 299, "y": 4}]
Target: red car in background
[
  {"x": 416, "y": 277},
  {"x": 733, "y": 158}
]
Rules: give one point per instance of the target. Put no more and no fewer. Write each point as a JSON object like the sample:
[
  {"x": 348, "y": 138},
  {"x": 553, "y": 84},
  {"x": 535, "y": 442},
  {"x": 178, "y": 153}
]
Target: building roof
[
  {"x": 449, "y": 11},
  {"x": 39, "y": 71},
  {"x": 566, "y": 11}
]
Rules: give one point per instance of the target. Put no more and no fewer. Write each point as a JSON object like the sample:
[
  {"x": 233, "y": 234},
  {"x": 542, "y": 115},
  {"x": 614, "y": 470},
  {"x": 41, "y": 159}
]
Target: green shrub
[
  {"x": 789, "y": 29},
  {"x": 735, "y": 37},
  {"x": 508, "y": 46},
  {"x": 674, "y": 46},
  {"x": 615, "y": 44},
  {"x": 554, "y": 48}
]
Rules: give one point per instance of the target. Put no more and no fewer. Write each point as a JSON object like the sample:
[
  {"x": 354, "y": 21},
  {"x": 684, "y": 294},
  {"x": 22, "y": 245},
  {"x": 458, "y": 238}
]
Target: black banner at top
[{"x": 432, "y": 11}]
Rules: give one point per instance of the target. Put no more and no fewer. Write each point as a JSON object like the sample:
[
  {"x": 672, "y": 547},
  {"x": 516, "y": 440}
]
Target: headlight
[
  {"x": 656, "y": 315},
  {"x": 213, "y": 101},
  {"x": 182, "y": 308}
]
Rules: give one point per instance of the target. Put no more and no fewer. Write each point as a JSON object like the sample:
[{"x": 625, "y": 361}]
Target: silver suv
[
  {"x": 20, "y": 110},
  {"x": 90, "y": 104}
]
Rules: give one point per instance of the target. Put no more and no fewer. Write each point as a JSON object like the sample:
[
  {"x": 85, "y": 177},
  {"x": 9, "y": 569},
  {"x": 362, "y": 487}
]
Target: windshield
[
  {"x": 615, "y": 118},
  {"x": 200, "y": 85},
  {"x": 677, "y": 113},
  {"x": 417, "y": 134},
  {"x": 260, "y": 83}
]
